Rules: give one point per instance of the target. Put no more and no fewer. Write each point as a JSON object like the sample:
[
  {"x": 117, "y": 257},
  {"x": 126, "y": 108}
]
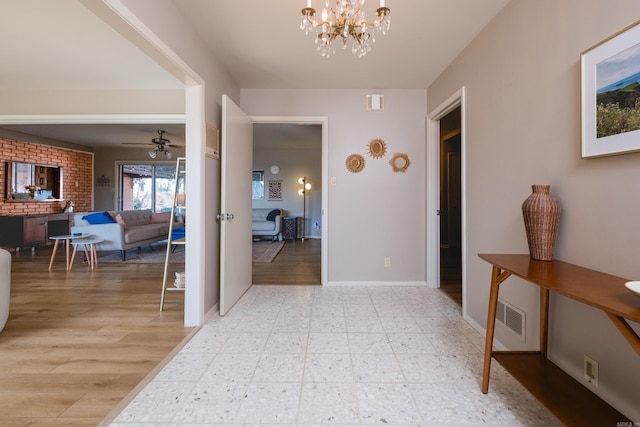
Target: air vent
[
  {"x": 511, "y": 317},
  {"x": 375, "y": 102}
]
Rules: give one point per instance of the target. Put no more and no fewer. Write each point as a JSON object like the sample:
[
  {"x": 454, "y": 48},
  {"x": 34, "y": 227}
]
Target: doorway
[
  {"x": 450, "y": 204},
  {"x": 283, "y": 154}
]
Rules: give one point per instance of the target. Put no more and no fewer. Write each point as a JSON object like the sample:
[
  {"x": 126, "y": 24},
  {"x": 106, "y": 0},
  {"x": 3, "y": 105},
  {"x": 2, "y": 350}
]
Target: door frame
[
  {"x": 433, "y": 188},
  {"x": 324, "y": 229}
]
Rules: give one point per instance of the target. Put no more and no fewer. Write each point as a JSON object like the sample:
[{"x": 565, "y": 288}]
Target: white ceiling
[{"x": 62, "y": 45}]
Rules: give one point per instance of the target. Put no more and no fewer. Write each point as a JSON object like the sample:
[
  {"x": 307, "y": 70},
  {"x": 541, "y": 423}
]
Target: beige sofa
[
  {"x": 135, "y": 228},
  {"x": 266, "y": 222}
]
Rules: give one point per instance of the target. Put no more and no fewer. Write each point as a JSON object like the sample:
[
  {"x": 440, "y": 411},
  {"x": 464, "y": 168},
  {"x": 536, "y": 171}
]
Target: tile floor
[{"x": 340, "y": 356}]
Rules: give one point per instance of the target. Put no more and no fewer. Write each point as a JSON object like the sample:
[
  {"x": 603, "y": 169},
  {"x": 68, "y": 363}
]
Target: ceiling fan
[{"x": 161, "y": 145}]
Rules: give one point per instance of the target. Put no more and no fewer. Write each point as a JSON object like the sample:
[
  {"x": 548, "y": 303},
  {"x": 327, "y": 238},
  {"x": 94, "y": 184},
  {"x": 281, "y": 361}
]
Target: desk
[
  {"x": 67, "y": 239},
  {"x": 599, "y": 290},
  {"x": 90, "y": 254}
]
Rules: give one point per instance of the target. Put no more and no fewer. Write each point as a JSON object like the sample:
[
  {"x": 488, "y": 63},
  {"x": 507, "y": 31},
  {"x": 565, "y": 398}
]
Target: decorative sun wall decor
[
  {"x": 400, "y": 162},
  {"x": 377, "y": 148},
  {"x": 355, "y": 163}
]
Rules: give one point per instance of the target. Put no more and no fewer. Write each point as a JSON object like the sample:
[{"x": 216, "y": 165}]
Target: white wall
[
  {"x": 522, "y": 80},
  {"x": 374, "y": 214}
]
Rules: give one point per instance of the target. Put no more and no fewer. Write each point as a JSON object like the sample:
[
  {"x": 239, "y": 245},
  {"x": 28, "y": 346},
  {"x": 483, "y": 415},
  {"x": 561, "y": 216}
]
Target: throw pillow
[
  {"x": 178, "y": 233},
  {"x": 118, "y": 218},
  {"x": 157, "y": 218},
  {"x": 271, "y": 216},
  {"x": 98, "y": 218}
]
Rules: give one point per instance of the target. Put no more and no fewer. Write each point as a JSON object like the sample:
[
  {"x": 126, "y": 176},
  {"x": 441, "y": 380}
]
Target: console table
[{"x": 600, "y": 290}]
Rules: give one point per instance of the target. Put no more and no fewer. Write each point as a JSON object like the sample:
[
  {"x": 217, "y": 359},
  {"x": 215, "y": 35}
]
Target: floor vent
[{"x": 511, "y": 317}]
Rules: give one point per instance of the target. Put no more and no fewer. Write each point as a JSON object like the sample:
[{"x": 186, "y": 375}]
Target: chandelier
[{"x": 345, "y": 20}]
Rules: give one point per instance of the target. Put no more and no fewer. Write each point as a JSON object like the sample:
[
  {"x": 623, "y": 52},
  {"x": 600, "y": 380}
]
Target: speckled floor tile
[
  {"x": 386, "y": 403},
  {"x": 328, "y": 404},
  {"x": 287, "y": 342},
  {"x": 369, "y": 343},
  {"x": 376, "y": 368},
  {"x": 276, "y": 367},
  {"x": 230, "y": 367},
  {"x": 322, "y": 368},
  {"x": 311, "y": 356},
  {"x": 270, "y": 403}
]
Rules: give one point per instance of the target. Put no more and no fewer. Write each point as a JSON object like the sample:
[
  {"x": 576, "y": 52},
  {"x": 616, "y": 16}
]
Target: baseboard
[
  {"x": 379, "y": 284},
  {"x": 497, "y": 345}
]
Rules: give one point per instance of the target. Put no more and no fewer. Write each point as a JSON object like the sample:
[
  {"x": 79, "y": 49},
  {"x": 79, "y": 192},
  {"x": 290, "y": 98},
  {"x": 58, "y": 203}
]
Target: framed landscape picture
[{"x": 611, "y": 95}]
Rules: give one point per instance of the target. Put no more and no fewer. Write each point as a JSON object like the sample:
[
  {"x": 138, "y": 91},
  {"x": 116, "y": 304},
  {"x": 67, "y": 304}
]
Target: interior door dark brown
[{"x": 450, "y": 201}]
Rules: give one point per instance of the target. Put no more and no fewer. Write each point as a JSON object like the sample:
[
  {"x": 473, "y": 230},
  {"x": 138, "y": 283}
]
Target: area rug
[
  {"x": 149, "y": 254},
  {"x": 265, "y": 251}
]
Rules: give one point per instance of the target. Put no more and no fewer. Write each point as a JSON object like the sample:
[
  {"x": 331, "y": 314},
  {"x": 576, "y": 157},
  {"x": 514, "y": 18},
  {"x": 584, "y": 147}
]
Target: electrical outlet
[
  {"x": 387, "y": 262},
  {"x": 590, "y": 370}
]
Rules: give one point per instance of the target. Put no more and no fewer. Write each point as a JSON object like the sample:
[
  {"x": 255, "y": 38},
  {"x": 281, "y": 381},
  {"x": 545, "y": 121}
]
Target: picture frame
[
  {"x": 275, "y": 190},
  {"x": 610, "y": 95}
]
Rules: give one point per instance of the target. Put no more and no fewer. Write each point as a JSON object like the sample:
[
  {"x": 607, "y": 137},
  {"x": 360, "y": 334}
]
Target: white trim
[
  {"x": 433, "y": 189},
  {"x": 324, "y": 231},
  {"x": 80, "y": 119},
  {"x": 195, "y": 146},
  {"x": 379, "y": 284}
]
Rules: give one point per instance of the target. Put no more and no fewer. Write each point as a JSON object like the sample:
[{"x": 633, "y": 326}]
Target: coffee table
[
  {"x": 89, "y": 246},
  {"x": 67, "y": 239}
]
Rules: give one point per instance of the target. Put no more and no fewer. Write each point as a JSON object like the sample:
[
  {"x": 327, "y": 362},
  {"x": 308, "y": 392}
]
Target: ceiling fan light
[
  {"x": 168, "y": 155},
  {"x": 153, "y": 153}
]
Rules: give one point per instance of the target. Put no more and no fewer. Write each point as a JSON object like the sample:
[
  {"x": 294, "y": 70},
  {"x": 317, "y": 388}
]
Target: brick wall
[{"x": 76, "y": 166}]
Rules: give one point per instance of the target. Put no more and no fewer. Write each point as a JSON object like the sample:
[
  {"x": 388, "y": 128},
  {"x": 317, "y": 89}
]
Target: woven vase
[{"x": 541, "y": 218}]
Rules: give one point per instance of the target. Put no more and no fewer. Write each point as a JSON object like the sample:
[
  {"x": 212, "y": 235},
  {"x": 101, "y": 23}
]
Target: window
[
  {"x": 147, "y": 186},
  {"x": 257, "y": 184}
]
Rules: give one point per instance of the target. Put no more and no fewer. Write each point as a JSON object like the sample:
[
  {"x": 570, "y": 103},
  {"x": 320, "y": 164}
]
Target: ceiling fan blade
[{"x": 145, "y": 145}]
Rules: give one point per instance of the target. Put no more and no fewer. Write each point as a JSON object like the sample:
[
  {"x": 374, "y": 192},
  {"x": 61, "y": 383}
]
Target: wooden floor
[
  {"x": 78, "y": 342},
  {"x": 298, "y": 263}
]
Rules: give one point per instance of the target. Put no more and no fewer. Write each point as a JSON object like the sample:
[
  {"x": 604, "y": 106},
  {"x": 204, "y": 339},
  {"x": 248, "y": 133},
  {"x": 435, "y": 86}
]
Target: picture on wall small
[
  {"x": 275, "y": 189},
  {"x": 611, "y": 95}
]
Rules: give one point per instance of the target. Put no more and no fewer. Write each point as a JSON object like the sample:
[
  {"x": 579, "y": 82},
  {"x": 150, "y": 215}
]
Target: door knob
[{"x": 224, "y": 216}]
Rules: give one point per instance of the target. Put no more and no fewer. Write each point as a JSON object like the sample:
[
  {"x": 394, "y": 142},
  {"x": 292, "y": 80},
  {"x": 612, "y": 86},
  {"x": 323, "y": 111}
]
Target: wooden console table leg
[
  {"x": 497, "y": 277},
  {"x": 544, "y": 320},
  {"x": 626, "y": 331}
]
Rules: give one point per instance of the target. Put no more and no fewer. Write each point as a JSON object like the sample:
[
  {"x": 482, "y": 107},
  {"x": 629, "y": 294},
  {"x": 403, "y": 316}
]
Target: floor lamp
[{"x": 303, "y": 192}]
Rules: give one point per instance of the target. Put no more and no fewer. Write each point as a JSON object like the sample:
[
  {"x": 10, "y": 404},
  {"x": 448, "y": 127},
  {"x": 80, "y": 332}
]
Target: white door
[{"x": 235, "y": 216}]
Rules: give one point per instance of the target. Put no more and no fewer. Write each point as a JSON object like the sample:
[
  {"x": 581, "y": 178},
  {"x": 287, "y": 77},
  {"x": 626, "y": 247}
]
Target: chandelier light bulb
[
  {"x": 301, "y": 192},
  {"x": 307, "y": 186}
]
